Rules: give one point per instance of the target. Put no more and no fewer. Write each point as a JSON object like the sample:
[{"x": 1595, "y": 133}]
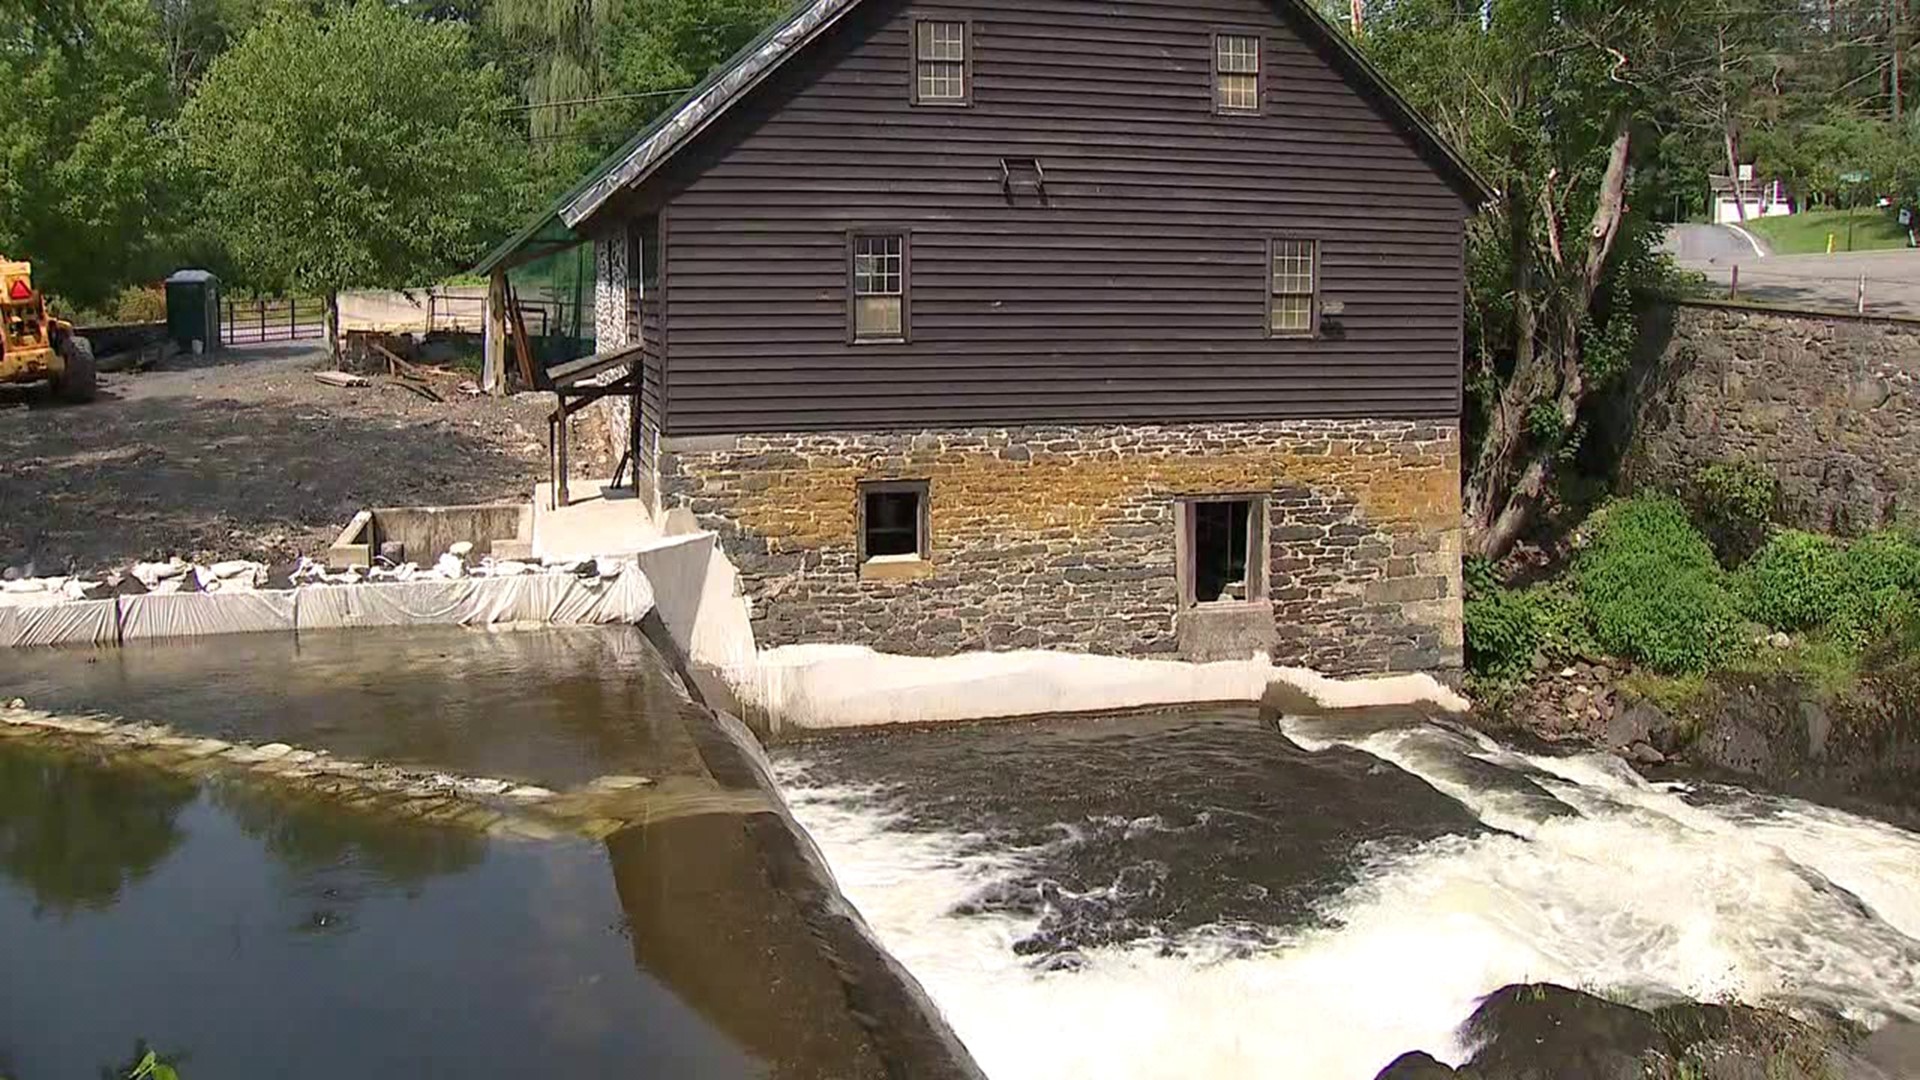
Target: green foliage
[
  {"x": 1851, "y": 594},
  {"x": 643, "y": 55},
  {"x": 84, "y": 162},
  {"x": 153, "y": 1067},
  {"x": 1733, "y": 503},
  {"x": 1503, "y": 634},
  {"x": 1507, "y": 628},
  {"x": 1654, "y": 592},
  {"x": 357, "y": 148},
  {"x": 1795, "y": 582}
]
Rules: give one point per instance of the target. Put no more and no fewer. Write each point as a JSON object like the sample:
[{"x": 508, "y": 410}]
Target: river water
[
  {"x": 1207, "y": 896},
  {"x": 248, "y": 932}
]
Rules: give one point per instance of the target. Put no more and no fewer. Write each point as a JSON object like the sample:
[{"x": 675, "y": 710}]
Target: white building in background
[{"x": 1766, "y": 198}]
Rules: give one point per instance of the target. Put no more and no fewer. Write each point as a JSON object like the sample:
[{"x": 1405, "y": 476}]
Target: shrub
[
  {"x": 1653, "y": 590},
  {"x": 1503, "y": 634},
  {"x": 1566, "y": 629},
  {"x": 1733, "y": 502},
  {"x": 1852, "y": 593},
  {"x": 1795, "y": 582}
]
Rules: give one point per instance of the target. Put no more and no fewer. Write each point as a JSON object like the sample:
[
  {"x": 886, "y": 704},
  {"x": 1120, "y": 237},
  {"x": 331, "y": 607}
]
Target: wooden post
[
  {"x": 1860, "y": 297},
  {"x": 493, "y": 364},
  {"x": 1733, "y": 291}
]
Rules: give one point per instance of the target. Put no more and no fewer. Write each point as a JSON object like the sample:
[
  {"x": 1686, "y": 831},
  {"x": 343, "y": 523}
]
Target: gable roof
[{"x": 730, "y": 82}]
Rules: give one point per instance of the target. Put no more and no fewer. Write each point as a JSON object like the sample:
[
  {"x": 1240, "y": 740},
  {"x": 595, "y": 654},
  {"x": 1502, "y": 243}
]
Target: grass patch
[
  {"x": 1674, "y": 694},
  {"x": 1806, "y": 233},
  {"x": 1832, "y": 666}
]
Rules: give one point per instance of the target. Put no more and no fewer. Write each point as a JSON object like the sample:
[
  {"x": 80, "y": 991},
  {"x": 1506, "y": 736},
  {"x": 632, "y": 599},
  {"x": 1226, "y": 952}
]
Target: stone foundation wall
[
  {"x": 1064, "y": 537},
  {"x": 1829, "y": 402}
]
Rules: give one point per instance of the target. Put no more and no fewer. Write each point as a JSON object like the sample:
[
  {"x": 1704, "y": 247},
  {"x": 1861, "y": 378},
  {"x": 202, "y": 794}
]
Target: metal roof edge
[{"x": 728, "y": 83}]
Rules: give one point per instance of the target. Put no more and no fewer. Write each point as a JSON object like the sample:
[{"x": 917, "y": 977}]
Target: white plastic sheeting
[
  {"x": 76, "y": 622},
  {"x": 407, "y": 603},
  {"x": 164, "y": 615},
  {"x": 557, "y": 598},
  {"x": 623, "y": 599},
  {"x": 829, "y": 686}
]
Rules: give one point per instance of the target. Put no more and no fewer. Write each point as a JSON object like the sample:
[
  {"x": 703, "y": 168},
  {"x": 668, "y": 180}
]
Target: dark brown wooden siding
[{"x": 1137, "y": 292}]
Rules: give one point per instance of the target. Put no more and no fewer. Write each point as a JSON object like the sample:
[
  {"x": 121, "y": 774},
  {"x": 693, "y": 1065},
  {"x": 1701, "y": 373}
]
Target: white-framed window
[
  {"x": 1236, "y": 73},
  {"x": 941, "y": 73},
  {"x": 1293, "y": 301}
]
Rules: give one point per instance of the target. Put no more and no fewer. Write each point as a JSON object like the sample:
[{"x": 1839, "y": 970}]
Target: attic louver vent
[{"x": 1023, "y": 174}]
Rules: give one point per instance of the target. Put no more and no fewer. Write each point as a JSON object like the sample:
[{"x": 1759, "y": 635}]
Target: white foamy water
[{"x": 1607, "y": 883}]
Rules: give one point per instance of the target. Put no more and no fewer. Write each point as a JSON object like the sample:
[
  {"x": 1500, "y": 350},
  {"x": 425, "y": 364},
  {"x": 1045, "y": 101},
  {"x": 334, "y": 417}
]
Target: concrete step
[{"x": 597, "y": 520}]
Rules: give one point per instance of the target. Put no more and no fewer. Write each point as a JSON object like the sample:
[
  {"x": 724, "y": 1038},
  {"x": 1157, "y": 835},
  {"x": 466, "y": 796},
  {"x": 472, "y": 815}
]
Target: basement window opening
[
  {"x": 1225, "y": 540},
  {"x": 893, "y": 521}
]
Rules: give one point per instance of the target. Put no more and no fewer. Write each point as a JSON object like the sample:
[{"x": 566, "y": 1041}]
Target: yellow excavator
[{"x": 35, "y": 346}]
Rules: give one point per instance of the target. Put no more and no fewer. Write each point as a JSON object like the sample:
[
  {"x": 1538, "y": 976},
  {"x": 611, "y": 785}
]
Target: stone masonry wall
[
  {"x": 1829, "y": 402},
  {"x": 1064, "y": 537}
]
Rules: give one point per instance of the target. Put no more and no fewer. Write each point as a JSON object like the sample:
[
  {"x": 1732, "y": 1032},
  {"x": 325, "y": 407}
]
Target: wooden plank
[{"x": 1137, "y": 291}]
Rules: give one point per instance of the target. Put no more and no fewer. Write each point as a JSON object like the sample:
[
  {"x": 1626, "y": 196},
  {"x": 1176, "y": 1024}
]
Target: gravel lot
[{"x": 241, "y": 454}]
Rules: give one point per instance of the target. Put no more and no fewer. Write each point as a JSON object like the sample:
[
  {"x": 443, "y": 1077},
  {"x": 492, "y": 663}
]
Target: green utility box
[{"x": 193, "y": 309}]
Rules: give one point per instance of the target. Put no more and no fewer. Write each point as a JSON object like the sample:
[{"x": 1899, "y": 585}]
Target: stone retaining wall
[
  {"x": 1828, "y": 401},
  {"x": 1064, "y": 537}
]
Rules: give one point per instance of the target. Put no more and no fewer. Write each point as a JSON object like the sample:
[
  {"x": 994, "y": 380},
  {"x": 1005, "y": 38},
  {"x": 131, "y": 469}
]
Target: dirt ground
[{"x": 242, "y": 454}]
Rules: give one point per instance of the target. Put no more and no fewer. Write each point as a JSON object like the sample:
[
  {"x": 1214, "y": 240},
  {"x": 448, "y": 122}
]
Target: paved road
[
  {"x": 1831, "y": 282},
  {"x": 1692, "y": 244}
]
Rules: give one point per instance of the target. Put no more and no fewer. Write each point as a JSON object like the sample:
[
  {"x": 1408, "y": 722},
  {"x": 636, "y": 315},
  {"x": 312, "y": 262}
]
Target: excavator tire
[{"x": 78, "y": 380}]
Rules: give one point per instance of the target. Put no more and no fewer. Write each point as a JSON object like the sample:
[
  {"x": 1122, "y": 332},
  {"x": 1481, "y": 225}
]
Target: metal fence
[{"x": 284, "y": 318}]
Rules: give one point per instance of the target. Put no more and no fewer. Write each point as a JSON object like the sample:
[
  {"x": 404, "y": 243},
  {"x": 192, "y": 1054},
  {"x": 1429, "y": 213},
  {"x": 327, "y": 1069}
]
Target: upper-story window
[
  {"x": 940, "y": 70},
  {"x": 1236, "y": 73},
  {"x": 877, "y": 287},
  {"x": 1293, "y": 308}
]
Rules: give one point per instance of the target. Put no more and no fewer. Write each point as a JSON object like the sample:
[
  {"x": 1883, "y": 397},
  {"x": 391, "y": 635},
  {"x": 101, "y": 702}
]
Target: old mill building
[{"x": 1128, "y": 327}]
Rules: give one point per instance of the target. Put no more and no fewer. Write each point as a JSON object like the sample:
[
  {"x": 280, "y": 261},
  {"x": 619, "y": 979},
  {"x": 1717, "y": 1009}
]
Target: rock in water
[{"x": 1415, "y": 1065}]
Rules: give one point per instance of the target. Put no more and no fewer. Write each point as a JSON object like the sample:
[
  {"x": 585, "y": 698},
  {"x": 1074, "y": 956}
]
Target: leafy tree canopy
[
  {"x": 84, "y": 159},
  {"x": 357, "y": 148}
]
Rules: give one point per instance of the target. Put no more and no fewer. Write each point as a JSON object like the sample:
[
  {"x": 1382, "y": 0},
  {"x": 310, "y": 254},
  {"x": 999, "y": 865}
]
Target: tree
[
  {"x": 1548, "y": 99},
  {"x": 83, "y": 153},
  {"x": 646, "y": 53},
  {"x": 360, "y": 148}
]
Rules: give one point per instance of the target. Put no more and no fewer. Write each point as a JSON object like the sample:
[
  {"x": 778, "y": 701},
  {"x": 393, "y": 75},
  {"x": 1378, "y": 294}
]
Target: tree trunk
[
  {"x": 1733, "y": 172},
  {"x": 333, "y": 325},
  {"x": 1514, "y": 471},
  {"x": 1896, "y": 26}
]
